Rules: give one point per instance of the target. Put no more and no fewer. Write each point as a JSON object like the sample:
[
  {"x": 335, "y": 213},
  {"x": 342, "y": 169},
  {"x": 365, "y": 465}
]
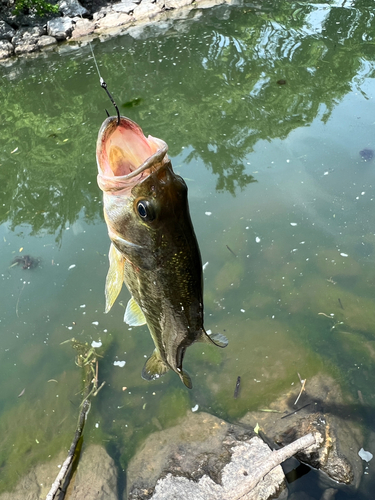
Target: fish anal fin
[
  {"x": 154, "y": 367},
  {"x": 115, "y": 277},
  {"x": 133, "y": 314},
  {"x": 217, "y": 339}
]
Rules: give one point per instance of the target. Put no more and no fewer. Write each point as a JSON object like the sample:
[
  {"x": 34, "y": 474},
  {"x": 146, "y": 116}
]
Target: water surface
[{"x": 266, "y": 111}]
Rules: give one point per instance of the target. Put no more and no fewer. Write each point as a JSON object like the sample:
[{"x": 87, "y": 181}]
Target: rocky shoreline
[{"x": 30, "y": 34}]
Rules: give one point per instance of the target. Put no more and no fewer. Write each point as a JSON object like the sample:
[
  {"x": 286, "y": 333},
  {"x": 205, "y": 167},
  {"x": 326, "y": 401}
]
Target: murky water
[{"x": 265, "y": 110}]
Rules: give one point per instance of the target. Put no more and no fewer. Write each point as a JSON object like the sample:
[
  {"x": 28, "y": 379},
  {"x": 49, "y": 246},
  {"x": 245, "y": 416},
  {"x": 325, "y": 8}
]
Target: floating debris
[
  {"x": 21, "y": 393},
  {"x": 96, "y": 344},
  {"x": 71, "y": 267},
  {"x": 121, "y": 364},
  {"x": 366, "y": 154},
  {"x": 231, "y": 251},
  {"x": 132, "y": 103},
  {"x": 237, "y": 388},
  {"x": 365, "y": 455},
  {"x": 26, "y": 261},
  {"x": 195, "y": 408}
]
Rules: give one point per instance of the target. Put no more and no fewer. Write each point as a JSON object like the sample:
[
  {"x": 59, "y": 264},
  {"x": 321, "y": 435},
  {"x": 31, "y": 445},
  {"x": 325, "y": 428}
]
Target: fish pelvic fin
[
  {"x": 185, "y": 378},
  {"x": 154, "y": 367},
  {"x": 115, "y": 277},
  {"x": 217, "y": 339},
  {"x": 133, "y": 314}
]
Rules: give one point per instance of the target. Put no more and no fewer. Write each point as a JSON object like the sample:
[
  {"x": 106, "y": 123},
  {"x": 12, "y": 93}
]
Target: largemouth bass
[{"x": 154, "y": 249}]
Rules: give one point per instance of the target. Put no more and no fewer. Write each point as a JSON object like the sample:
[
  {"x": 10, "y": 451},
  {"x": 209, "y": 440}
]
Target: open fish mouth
[{"x": 124, "y": 155}]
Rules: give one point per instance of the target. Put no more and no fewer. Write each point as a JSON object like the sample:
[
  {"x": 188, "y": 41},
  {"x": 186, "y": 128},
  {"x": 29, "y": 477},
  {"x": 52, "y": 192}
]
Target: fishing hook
[{"x": 104, "y": 86}]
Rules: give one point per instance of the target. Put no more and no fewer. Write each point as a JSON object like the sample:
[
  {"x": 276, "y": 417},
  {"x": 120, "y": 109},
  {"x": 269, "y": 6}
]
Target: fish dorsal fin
[
  {"x": 154, "y": 367},
  {"x": 115, "y": 277},
  {"x": 218, "y": 339},
  {"x": 133, "y": 314}
]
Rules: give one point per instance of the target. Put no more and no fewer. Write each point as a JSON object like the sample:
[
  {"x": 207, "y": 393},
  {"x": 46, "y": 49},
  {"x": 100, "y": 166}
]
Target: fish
[{"x": 154, "y": 249}]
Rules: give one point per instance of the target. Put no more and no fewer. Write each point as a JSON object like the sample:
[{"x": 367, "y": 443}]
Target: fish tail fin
[
  {"x": 154, "y": 367},
  {"x": 217, "y": 339}
]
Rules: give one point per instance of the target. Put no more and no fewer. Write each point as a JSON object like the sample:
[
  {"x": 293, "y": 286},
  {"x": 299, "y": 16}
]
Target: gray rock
[
  {"x": 176, "y": 4},
  {"x": 25, "y": 39},
  {"x": 60, "y": 28},
  {"x": 126, "y": 6},
  {"x": 72, "y": 8},
  {"x": 96, "y": 476},
  {"x": 326, "y": 417},
  {"x": 148, "y": 9},
  {"x": 6, "y": 31},
  {"x": 200, "y": 457},
  {"x": 83, "y": 27},
  {"x": 113, "y": 20},
  {"x": 46, "y": 41},
  {"x": 6, "y": 49}
]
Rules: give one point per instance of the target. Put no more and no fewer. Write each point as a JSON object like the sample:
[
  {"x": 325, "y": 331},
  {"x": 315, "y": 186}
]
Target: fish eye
[{"x": 145, "y": 210}]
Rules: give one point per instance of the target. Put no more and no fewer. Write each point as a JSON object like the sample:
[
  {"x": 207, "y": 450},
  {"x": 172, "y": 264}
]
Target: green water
[{"x": 274, "y": 172}]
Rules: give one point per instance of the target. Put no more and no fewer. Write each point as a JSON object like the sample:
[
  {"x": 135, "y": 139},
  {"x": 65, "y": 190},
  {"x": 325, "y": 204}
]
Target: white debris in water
[
  {"x": 97, "y": 425},
  {"x": 96, "y": 344},
  {"x": 70, "y": 327},
  {"x": 293, "y": 223},
  {"x": 208, "y": 332},
  {"x": 83, "y": 305},
  {"x": 121, "y": 364},
  {"x": 208, "y": 213},
  {"x": 95, "y": 323},
  {"x": 257, "y": 239},
  {"x": 205, "y": 265},
  {"x": 344, "y": 254},
  {"x": 365, "y": 455},
  {"x": 326, "y": 173},
  {"x": 242, "y": 310},
  {"x": 71, "y": 267},
  {"x": 195, "y": 408}
]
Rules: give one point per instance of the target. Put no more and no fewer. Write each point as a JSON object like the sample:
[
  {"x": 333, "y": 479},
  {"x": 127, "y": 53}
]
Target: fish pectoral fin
[
  {"x": 218, "y": 339},
  {"x": 133, "y": 314},
  {"x": 115, "y": 277},
  {"x": 154, "y": 367}
]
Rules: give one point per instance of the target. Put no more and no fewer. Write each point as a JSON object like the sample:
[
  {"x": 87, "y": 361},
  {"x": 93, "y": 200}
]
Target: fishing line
[{"x": 103, "y": 83}]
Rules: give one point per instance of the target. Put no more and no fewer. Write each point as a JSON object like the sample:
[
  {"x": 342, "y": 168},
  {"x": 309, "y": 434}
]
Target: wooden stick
[
  {"x": 273, "y": 460},
  {"x": 68, "y": 461}
]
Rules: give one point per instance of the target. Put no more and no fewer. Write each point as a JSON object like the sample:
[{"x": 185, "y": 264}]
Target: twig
[
  {"x": 303, "y": 382},
  {"x": 272, "y": 461},
  {"x": 64, "y": 469},
  {"x": 295, "y": 411}
]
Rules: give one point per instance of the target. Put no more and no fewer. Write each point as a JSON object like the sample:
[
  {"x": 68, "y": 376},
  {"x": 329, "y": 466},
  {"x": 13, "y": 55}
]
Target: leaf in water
[
  {"x": 131, "y": 104},
  {"x": 21, "y": 393},
  {"x": 256, "y": 428},
  {"x": 14, "y": 150}
]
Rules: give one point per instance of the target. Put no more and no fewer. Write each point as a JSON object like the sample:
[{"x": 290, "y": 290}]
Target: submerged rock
[
  {"x": 95, "y": 479},
  {"x": 323, "y": 413},
  {"x": 202, "y": 457}
]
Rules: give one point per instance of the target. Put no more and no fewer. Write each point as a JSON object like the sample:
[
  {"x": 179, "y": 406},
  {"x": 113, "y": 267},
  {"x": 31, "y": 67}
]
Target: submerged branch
[
  {"x": 69, "y": 459},
  {"x": 86, "y": 359}
]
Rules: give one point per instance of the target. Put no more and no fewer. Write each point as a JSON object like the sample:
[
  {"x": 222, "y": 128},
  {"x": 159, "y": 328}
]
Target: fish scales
[{"x": 154, "y": 248}]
